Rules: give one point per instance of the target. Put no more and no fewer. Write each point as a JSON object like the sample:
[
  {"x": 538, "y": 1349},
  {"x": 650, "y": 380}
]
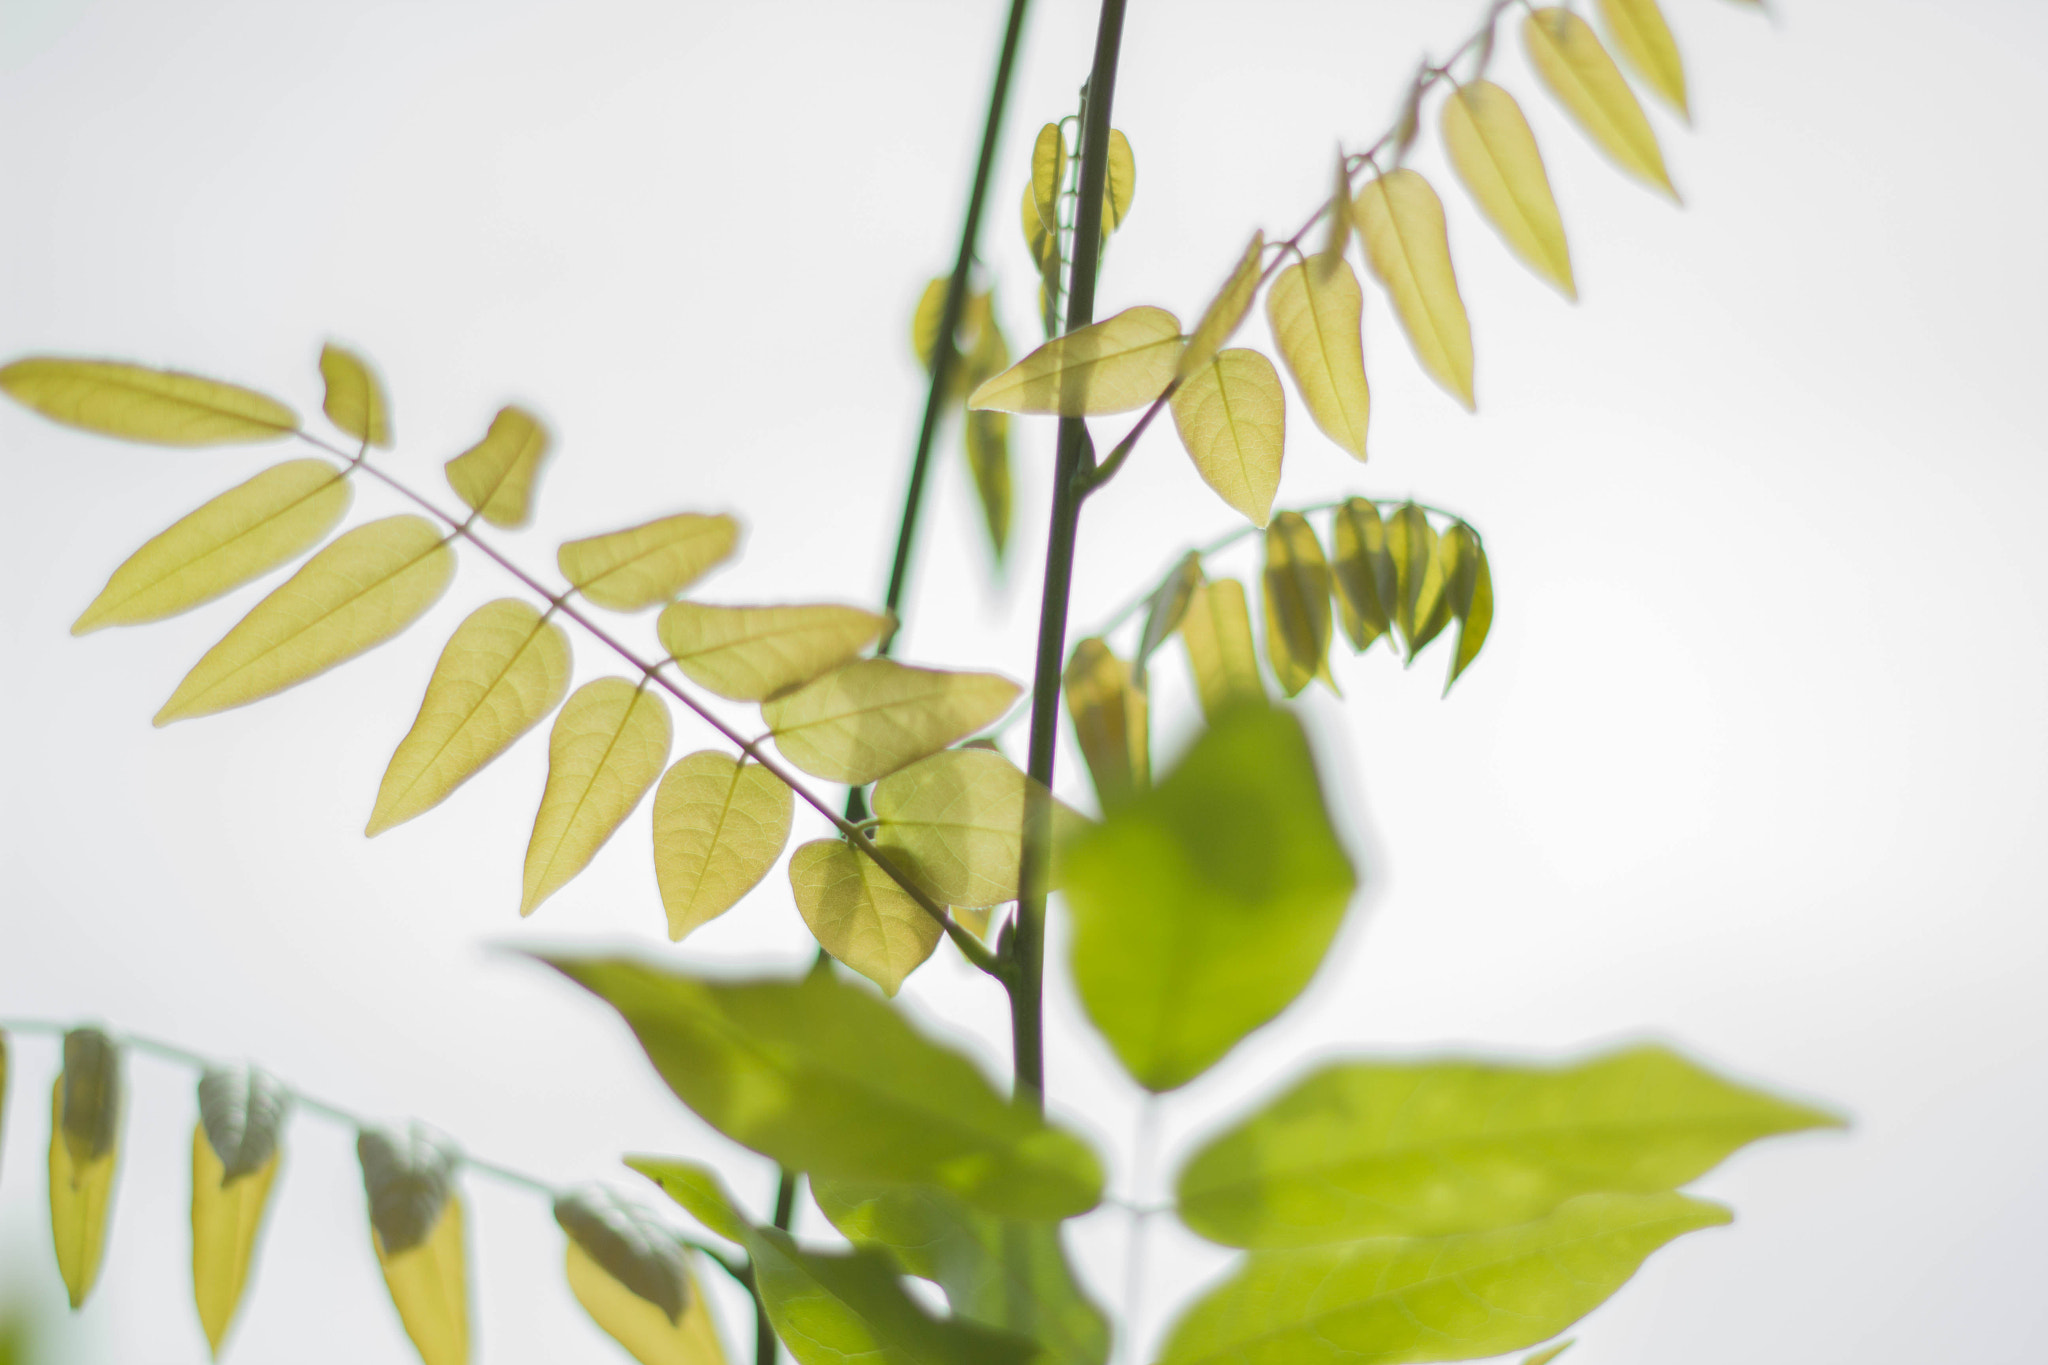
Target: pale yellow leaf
[
  {"x": 639, "y": 1325},
  {"x": 495, "y": 476},
  {"x": 161, "y": 407},
  {"x": 226, "y": 1218},
  {"x": 608, "y": 746},
  {"x": 1168, "y": 606},
  {"x": 1116, "y": 365},
  {"x": 501, "y": 673},
  {"x": 1109, "y": 712},
  {"x": 81, "y": 1197},
  {"x": 1043, "y": 245},
  {"x": 873, "y": 716},
  {"x": 355, "y": 399},
  {"x": 1574, "y": 66},
  {"x": 1400, "y": 222},
  {"x": 1495, "y": 156},
  {"x": 1645, "y": 43},
  {"x": 1232, "y": 418},
  {"x": 924, "y": 323},
  {"x": 975, "y": 920},
  {"x": 987, "y": 440},
  {"x": 1048, "y": 173},
  {"x": 354, "y": 595},
  {"x": 753, "y": 653},
  {"x": 1221, "y": 318},
  {"x": 718, "y": 827},
  {"x": 959, "y": 817},
  {"x": 1316, "y": 310},
  {"x": 859, "y": 915},
  {"x": 429, "y": 1286},
  {"x": 1121, "y": 186},
  {"x": 1218, "y": 635},
  {"x": 650, "y": 563},
  {"x": 1368, "y": 587},
  {"x": 243, "y": 534},
  {"x": 1297, "y": 585}
]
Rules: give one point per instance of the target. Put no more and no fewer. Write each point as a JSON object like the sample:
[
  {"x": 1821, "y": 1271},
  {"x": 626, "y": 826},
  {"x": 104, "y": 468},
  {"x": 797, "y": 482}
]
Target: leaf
[
  {"x": 1424, "y": 1149},
  {"x": 958, "y": 816},
  {"x": 1225, "y": 312},
  {"x": 241, "y": 1113},
  {"x": 1495, "y": 156},
  {"x": 160, "y": 407},
  {"x": 753, "y": 653},
  {"x": 429, "y": 1285},
  {"x": 697, "y": 1189},
  {"x": 1203, "y": 907},
  {"x": 362, "y": 590},
  {"x": 501, "y": 673},
  {"x": 495, "y": 477},
  {"x": 91, "y": 1095},
  {"x": 1116, "y": 365},
  {"x": 1393, "y": 1300},
  {"x": 628, "y": 1247},
  {"x": 1045, "y": 254},
  {"x": 873, "y": 716},
  {"x": 924, "y": 323},
  {"x": 1316, "y": 311},
  {"x": 826, "y": 1078},
  {"x": 227, "y": 1217},
  {"x": 1168, "y": 608},
  {"x": 1411, "y": 545},
  {"x": 241, "y": 535},
  {"x": 1121, "y": 184},
  {"x": 1218, "y": 636},
  {"x": 1048, "y": 173},
  {"x": 1577, "y": 71},
  {"x": 1368, "y": 584},
  {"x": 988, "y": 461},
  {"x": 648, "y": 564},
  {"x": 355, "y": 400},
  {"x": 1297, "y": 598},
  {"x": 718, "y": 827},
  {"x": 1232, "y": 418},
  {"x": 1109, "y": 712},
  {"x": 408, "y": 1179},
  {"x": 1646, "y": 44},
  {"x": 1433, "y": 602},
  {"x": 85, "y": 1136},
  {"x": 638, "y": 1325},
  {"x": 1477, "y": 618},
  {"x": 608, "y": 746},
  {"x": 859, "y": 914},
  {"x": 1548, "y": 1353},
  {"x": 1400, "y": 223}
]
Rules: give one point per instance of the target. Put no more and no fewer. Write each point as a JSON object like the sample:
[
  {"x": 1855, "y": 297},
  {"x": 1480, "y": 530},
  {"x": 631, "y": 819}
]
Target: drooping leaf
[
  {"x": 1045, "y": 254},
  {"x": 698, "y": 1189},
  {"x": 1116, "y": 365},
  {"x": 1225, "y": 312},
  {"x": 1167, "y": 609},
  {"x": 958, "y": 817},
  {"x": 354, "y": 595},
  {"x": 718, "y": 827},
  {"x": 1549, "y": 1353},
  {"x": 1110, "y": 714},
  {"x": 1645, "y": 43},
  {"x": 354, "y": 401},
  {"x": 1495, "y": 156},
  {"x": 924, "y": 323},
  {"x": 1433, "y": 610},
  {"x": 1425, "y": 1149},
  {"x": 495, "y": 477},
  {"x": 639, "y": 1326},
  {"x": 753, "y": 653},
  {"x": 1296, "y": 585},
  {"x": 629, "y": 1247},
  {"x": 1121, "y": 184},
  {"x": 987, "y": 438},
  {"x": 859, "y": 914},
  {"x": 502, "y": 672},
  {"x": 1368, "y": 584},
  {"x": 1218, "y": 636},
  {"x": 1400, "y": 223},
  {"x": 429, "y": 1285},
  {"x": 648, "y": 564},
  {"x": 826, "y": 1078},
  {"x": 133, "y": 403},
  {"x": 408, "y": 1179},
  {"x": 1411, "y": 545},
  {"x": 85, "y": 1140},
  {"x": 1316, "y": 310},
  {"x": 1388, "y": 1301},
  {"x": 1576, "y": 69},
  {"x": 873, "y": 716},
  {"x": 227, "y": 1218},
  {"x": 1232, "y": 418},
  {"x": 1477, "y": 618},
  {"x": 608, "y": 747},
  {"x": 1203, "y": 907},
  {"x": 1048, "y": 174},
  {"x": 241, "y": 1112}
]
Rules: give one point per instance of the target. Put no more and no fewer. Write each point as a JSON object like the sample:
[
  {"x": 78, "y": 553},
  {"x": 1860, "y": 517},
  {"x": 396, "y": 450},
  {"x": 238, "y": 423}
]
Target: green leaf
[
  {"x": 873, "y": 716},
  {"x": 1368, "y": 583},
  {"x": 355, "y": 400},
  {"x": 1297, "y": 597},
  {"x": 1048, "y": 173},
  {"x": 1434, "y": 601},
  {"x": 495, "y": 477},
  {"x": 1218, "y": 634},
  {"x": 1203, "y": 907},
  {"x": 859, "y": 914},
  {"x": 1477, "y": 617},
  {"x": 1109, "y": 712},
  {"x": 699, "y": 1190},
  {"x": 161, "y": 407},
  {"x": 609, "y": 745},
  {"x": 959, "y": 817},
  {"x": 644, "y": 565},
  {"x": 1120, "y": 186},
  {"x": 1548, "y": 1353},
  {"x": 718, "y": 827},
  {"x": 1411, "y": 546}
]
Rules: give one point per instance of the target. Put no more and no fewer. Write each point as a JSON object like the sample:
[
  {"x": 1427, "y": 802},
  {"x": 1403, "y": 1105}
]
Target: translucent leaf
[
  {"x": 644, "y": 565},
  {"x": 429, "y": 1285},
  {"x": 628, "y": 1247},
  {"x": 959, "y": 817},
  {"x": 1116, "y": 365},
  {"x": 859, "y": 914},
  {"x": 1400, "y": 222},
  {"x": 1110, "y": 715},
  {"x": 1574, "y": 67},
  {"x": 408, "y": 1179},
  {"x": 1048, "y": 173},
  {"x": 1392, "y": 1300},
  {"x": 1167, "y": 609},
  {"x": 639, "y": 1326},
  {"x": 161, "y": 407},
  {"x": 501, "y": 673},
  {"x": 1121, "y": 184},
  {"x": 1368, "y": 585},
  {"x": 1411, "y": 545},
  {"x": 85, "y": 1135},
  {"x": 924, "y": 323},
  {"x": 718, "y": 828},
  {"x": 698, "y": 1189},
  {"x": 241, "y": 1112},
  {"x": 354, "y": 595},
  {"x": 227, "y": 1217},
  {"x": 1232, "y": 418},
  {"x": 1316, "y": 311},
  {"x": 92, "y": 1094},
  {"x": 827, "y": 1078},
  {"x": 1645, "y": 43},
  {"x": 1548, "y": 1353},
  {"x": 1425, "y": 1149},
  {"x": 1045, "y": 253},
  {"x": 1495, "y": 156},
  {"x": 1221, "y": 318},
  {"x": 1477, "y": 618},
  {"x": 1218, "y": 636},
  {"x": 753, "y": 653},
  {"x": 1202, "y": 908},
  {"x": 873, "y": 716},
  {"x": 355, "y": 399},
  {"x": 988, "y": 461},
  {"x": 495, "y": 477},
  {"x": 608, "y": 746},
  {"x": 1297, "y": 596},
  {"x": 1434, "y": 602}
]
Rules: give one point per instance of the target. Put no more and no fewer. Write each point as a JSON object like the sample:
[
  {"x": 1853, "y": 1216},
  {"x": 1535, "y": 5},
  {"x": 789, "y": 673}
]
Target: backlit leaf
[
  {"x": 924, "y": 323},
  {"x": 1645, "y": 43},
  {"x": 608, "y": 746},
  {"x": 1495, "y": 156},
  {"x": 408, "y": 1179},
  {"x": 1045, "y": 254},
  {"x": 429, "y": 1285},
  {"x": 354, "y": 595},
  {"x": 1221, "y": 318},
  {"x": 1548, "y": 1353},
  {"x": 495, "y": 477},
  {"x": 753, "y": 653},
  {"x": 650, "y": 563},
  {"x": 628, "y": 1247},
  {"x": 161, "y": 407},
  {"x": 1368, "y": 585},
  {"x": 859, "y": 914},
  {"x": 1109, "y": 712},
  {"x": 1316, "y": 310},
  {"x": 1167, "y": 609},
  {"x": 959, "y": 817},
  {"x": 355, "y": 399},
  {"x": 873, "y": 716},
  {"x": 501, "y": 673},
  {"x": 1400, "y": 223},
  {"x": 1116, "y": 365},
  {"x": 85, "y": 1139},
  {"x": 1433, "y": 609},
  {"x": 1296, "y": 586},
  {"x": 639, "y": 1326},
  {"x": 1048, "y": 173},
  {"x": 241, "y": 1112},
  {"x": 1576, "y": 69},
  {"x": 988, "y": 461},
  {"x": 1218, "y": 636},
  {"x": 1232, "y": 417},
  {"x": 1121, "y": 184},
  {"x": 227, "y": 1217},
  {"x": 1477, "y": 618},
  {"x": 1411, "y": 545},
  {"x": 718, "y": 828}
]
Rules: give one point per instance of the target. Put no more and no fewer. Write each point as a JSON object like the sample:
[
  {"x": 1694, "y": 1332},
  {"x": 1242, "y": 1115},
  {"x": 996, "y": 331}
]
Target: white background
[{"x": 1753, "y": 761}]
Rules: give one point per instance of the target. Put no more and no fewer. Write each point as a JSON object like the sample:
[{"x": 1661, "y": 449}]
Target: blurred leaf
[
  {"x": 1218, "y": 634},
  {"x": 1401, "y": 226},
  {"x": 859, "y": 914},
  {"x": 161, "y": 407},
  {"x": 408, "y": 1179},
  {"x": 495, "y": 477},
  {"x": 608, "y": 746},
  {"x": 1411, "y": 545},
  {"x": 242, "y": 1112},
  {"x": 1297, "y": 598},
  {"x": 1368, "y": 585},
  {"x": 1574, "y": 67},
  {"x": 1225, "y": 312},
  {"x": 629, "y": 1247},
  {"x": 1316, "y": 310},
  {"x": 718, "y": 827},
  {"x": 354, "y": 401},
  {"x": 1045, "y": 254},
  {"x": 639, "y": 1326},
  {"x": 1121, "y": 185},
  {"x": 1232, "y": 418},
  {"x": 85, "y": 1138},
  {"x": 92, "y": 1094},
  {"x": 873, "y": 716},
  {"x": 988, "y": 460},
  {"x": 752, "y": 653},
  {"x": 648, "y": 564},
  {"x": 1167, "y": 609},
  {"x": 1109, "y": 713},
  {"x": 1548, "y": 1353},
  {"x": 1433, "y": 602},
  {"x": 1116, "y": 365},
  {"x": 1495, "y": 156},
  {"x": 1477, "y": 618},
  {"x": 958, "y": 816},
  {"x": 227, "y": 1216},
  {"x": 1048, "y": 173},
  {"x": 698, "y": 1189},
  {"x": 1645, "y": 43},
  {"x": 429, "y": 1285},
  {"x": 924, "y": 323}
]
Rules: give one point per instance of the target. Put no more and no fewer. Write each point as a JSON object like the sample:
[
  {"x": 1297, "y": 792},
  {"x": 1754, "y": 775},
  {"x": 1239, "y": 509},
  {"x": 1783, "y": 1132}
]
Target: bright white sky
[{"x": 1752, "y": 762}]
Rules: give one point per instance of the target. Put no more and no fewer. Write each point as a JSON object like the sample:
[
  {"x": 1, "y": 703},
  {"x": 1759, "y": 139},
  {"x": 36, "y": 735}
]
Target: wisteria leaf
[
  {"x": 134, "y": 403},
  {"x": 1116, "y": 365},
  {"x": 1645, "y": 43},
  {"x": 958, "y": 816},
  {"x": 1548, "y": 1353},
  {"x": 608, "y": 746},
  {"x": 1576, "y": 69},
  {"x": 227, "y": 1217},
  {"x": 1411, "y": 546},
  {"x": 1048, "y": 173},
  {"x": 627, "y": 1246},
  {"x": 1226, "y": 311},
  {"x": 718, "y": 827},
  {"x": 648, "y": 564},
  {"x": 1495, "y": 156},
  {"x": 859, "y": 915},
  {"x": 1400, "y": 223},
  {"x": 850, "y": 1309},
  {"x": 639, "y": 1326},
  {"x": 1232, "y": 418},
  {"x": 1296, "y": 586},
  {"x": 354, "y": 401},
  {"x": 1167, "y": 609},
  {"x": 1121, "y": 186},
  {"x": 1218, "y": 636},
  {"x": 924, "y": 323},
  {"x": 81, "y": 1194},
  {"x": 1368, "y": 585},
  {"x": 495, "y": 477},
  {"x": 1477, "y": 618},
  {"x": 873, "y": 716},
  {"x": 429, "y": 1285},
  {"x": 1109, "y": 712},
  {"x": 1316, "y": 310},
  {"x": 987, "y": 439},
  {"x": 698, "y": 1189},
  {"x": 754, "y": 653}
]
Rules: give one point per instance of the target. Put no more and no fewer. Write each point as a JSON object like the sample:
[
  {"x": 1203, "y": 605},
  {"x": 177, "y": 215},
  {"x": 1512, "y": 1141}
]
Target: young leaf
[
  {"x": 354, "y": 401},
  {"x": 161, "y": 407},
  {"x": 608, "y": 746},
  {"x": 1297, "y": 598},
  {"x": 1368, "y": 584},
  {"x": 351, "y": 597},
  {"x": 1477, "y": 618},
  {"x": 1495, "y": 156},
  {"x": 988, "y": 460},
  {"x": 753, "y": 653},
  {"x": 1121, "y": 185},
  {"x": 1110, "y": 715},
  {"x": 495, "y": 476},
  {"x": 241, "y": 535},
  {"x": 1045, "y": 254},
  {"x": 1645, "y": 42},
  {"x": 429, "y": 1285},
  {"x": 718, "y": 827},
  {"x": 959, "y": 817},
  {"x": 629, "y": 1247},
  {"x": 407, "y": 1179},
  {"x": 1218, "y": 636},
  {"x": 1548, "y": 1353},
  {"x": 85, "y": 1138},
  {"x": 1434, "y": 607},
  {"x": 241, "y": 1112},
  {"x": 639, "y": 1326},
  {"x": 1426, "y": 1149},
  {"x": 1574, "y": 67},
  {"x": 1393, "y": 1300},
  {"x": 501, "y": 673},
  {"x": 1203, "y": 907},
  {"x": 1411, "y": 545},
  {"x": 647, "y": 564},
  {"x": 698, "y": 1189},
  {"x": 873, "y": 716},
  {"x": 1168, "y": 608},
  {"x": 1116, "y": 365},
  {"x": 1048, "y": 173},
  {"x": 1400, "y": 223},
  {"x": 924, "y": 323},
  {"x": 859, "y": 915},
  {"x": 1316, "y": 311},
  {"x": 1232, "y": 418},
  {"x": 1225, "y": 312},
  {"x": 227, "y": 1216}
]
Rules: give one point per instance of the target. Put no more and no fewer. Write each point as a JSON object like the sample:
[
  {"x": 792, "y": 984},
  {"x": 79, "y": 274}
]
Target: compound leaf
[
  {"x": 1645, "y": 42},
  {"x": 495, "y": 477},
  {"x": 958, "y": 816},
  {"x": 1225, "y": 312},
  {"x": 650, "y": 563},
  {"x": 718, "y": 827},
  {"x": 859, "y": 914},
  {"x": 753, "y": 653},
  {"x": 608, "y": 746},
  {"x": 1218, "y": 636},
  {"x": 134, "y": 403},
  {"x": 873, "y": 716},
  {"x": 354, "y": 401},
  {"x": 1316, "y": 310},
  {"x": 1400, "y": 222},
  {"x": 1110, "y": 715},
  {"x": 1495, "y": 156},
  {"x": 1116, "y": 365},
  {"x": 1232, "y": 418},
  {"x": 1576, "y": 69}
]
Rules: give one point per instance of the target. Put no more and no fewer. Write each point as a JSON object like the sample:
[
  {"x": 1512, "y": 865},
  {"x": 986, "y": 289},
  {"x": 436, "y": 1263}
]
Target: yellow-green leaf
[
  {"x": 1116, "y": 365},
  {"x": 161, "y": 407},
  {"x": 1169, "y": 606},
  {"x": 1645, "y": 42},
  {"x": 351, "y": 597},
  {"x": 243, "y": 534},
  {"x": 718, "y": 827},
  {"x": 429, "y": 1285},
  {"x": 1121, "y": 186},
  {"x": 1574, "y": 66},
  {"x": 988, "y": 460},
  {"x": 608, "y": 746},
  {"x": 495, "y": 476},
  {"x": 226, "y": 1218},
  {"x": 1434, "y": 603},
  {"x": 859, "y": 914},
  {"x": 85, "y": 1140},
  {"x": 1297, "y": 596},
  {"x": 873, "y": 716},
  {"x": 1109, "y": 712},
  {"x": 1411, "y": 545},
  {"x": 650, "y": 563},
  {"x": 355, "y": 399},
  {"x": 958, "y": 819},
  {"x": 1045, "y": 254},
  {"x": 1368, "y": 586},
  {"x": 1232, "y": 418},
  {"x": 924, "y": 323},
  {"x": 1218, "y": 636},
  {"x": 1495, "y": 156},
  {"x": 1221, "y": 318},
  {"x": 642, "y": 1328},
  {"x": 1475, "y": 617},
  {"x": 1548, "y": 1353},
  {"x": 753, "y": 653},
  {"x": 1048, "y": 173},
  {"x": 1316, "y": 311},
  {"x": 501, "y": 673},
  {"x": 1400, "y": 222}
]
